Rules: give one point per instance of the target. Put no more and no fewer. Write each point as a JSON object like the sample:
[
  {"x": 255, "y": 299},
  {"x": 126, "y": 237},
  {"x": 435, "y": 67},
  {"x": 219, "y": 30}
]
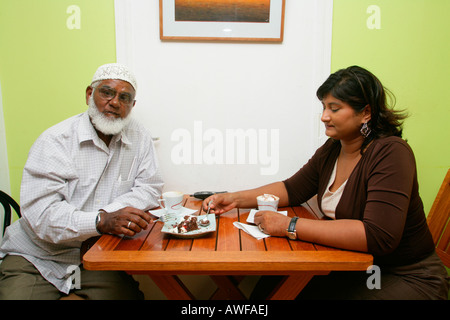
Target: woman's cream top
[{"x": 330, "y": 199}]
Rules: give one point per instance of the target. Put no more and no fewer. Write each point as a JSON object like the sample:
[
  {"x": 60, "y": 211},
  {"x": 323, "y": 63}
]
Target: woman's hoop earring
[{"x": 365, "y": 130}]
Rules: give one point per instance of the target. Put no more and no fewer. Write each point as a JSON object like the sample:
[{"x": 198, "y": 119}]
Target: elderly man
[{"x": 93, "y": 173}]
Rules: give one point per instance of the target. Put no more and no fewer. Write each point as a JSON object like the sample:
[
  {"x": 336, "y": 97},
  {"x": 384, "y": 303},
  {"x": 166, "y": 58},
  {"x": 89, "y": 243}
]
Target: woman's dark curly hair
[{"x": 359, "y": 87}]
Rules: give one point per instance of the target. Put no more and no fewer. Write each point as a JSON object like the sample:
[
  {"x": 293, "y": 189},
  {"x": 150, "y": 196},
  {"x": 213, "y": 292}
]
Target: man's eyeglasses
[{"x": 109, "y": 93}]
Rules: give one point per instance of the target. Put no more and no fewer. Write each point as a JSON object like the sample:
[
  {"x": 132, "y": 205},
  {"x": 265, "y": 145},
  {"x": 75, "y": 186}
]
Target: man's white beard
[{"x": 104, "y": 124}]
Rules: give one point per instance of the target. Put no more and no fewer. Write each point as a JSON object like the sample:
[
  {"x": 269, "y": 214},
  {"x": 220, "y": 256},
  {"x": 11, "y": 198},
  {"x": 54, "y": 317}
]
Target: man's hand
[{"x": 127, "y": 221}]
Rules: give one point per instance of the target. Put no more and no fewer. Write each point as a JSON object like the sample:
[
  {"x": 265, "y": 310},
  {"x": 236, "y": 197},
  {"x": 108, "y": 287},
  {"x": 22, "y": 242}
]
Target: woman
[{"x": 366, "y": 184}]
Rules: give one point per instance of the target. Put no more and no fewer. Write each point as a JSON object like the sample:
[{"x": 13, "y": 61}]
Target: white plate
[
  {"x": 251, "y": 216},
  {"x": 201, "y": 231}
]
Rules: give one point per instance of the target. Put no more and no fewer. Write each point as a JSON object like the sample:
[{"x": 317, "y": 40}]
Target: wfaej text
[{"x": 229, "y": 309}]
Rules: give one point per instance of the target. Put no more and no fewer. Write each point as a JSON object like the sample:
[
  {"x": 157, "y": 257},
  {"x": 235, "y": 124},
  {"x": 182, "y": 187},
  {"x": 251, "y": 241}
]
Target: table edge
[{"x": 227, "y": 262}]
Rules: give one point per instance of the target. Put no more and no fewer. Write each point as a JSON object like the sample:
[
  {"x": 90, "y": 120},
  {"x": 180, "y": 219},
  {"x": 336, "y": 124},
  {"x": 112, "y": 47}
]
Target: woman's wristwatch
[{"x": 291, "y": 232}]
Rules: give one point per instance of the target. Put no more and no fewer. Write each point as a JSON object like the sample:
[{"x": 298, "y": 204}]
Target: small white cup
[
  {"x": 267, "y": 202},
  {"x": 173, "y": 201}
]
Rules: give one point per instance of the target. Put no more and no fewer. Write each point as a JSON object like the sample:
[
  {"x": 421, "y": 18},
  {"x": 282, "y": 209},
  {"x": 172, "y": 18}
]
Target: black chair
[{"x": 8, "y": 203}]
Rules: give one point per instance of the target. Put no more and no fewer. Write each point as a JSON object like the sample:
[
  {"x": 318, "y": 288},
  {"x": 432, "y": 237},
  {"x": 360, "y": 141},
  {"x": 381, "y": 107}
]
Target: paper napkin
[{"x": 251, "y": 230}]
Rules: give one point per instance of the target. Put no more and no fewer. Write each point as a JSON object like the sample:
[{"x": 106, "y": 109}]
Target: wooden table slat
[
  {"x": 227, "y": 233},
  {"x": 136, "y": 242},
  {"x": 156, "y": 240}
]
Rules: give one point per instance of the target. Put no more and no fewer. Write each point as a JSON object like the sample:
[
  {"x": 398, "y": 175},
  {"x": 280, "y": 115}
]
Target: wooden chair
[
  {"x": 8, "y": 203},
  {"x": 439, "y": 221}
]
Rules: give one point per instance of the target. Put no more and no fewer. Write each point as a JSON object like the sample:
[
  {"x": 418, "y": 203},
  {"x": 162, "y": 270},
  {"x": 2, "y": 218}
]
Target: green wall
[{"x": 45, "y": 68}]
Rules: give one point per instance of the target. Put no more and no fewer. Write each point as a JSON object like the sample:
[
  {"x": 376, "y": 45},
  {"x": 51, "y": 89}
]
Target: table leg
[
  {"x": 291, "y": 286},
  {"x": 172, "y": 287},
  {"x": 227, "y": 288}
]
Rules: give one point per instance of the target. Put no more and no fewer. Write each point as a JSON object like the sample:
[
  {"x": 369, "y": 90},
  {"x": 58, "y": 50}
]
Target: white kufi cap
[{"x": 115, "y": 71}]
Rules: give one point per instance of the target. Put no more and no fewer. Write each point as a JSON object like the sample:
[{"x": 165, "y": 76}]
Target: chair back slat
[
  {"x": 439, "y": 220},
  {"x": 444, "y": 242}
]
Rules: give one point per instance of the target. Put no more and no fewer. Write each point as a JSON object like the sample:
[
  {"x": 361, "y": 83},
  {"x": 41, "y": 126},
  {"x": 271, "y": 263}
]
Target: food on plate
[
  {"x": 189, "y": 223},
  {"x": 204, "y": 222}
]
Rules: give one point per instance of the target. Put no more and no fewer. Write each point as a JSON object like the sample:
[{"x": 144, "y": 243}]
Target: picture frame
[{"x": 219, "y": 20}]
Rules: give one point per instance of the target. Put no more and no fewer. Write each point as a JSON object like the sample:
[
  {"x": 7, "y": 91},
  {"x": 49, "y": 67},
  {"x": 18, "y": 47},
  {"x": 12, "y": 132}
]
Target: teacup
[
  {"x": 172, "y": 200},
  {"x": 267, "y": 202}
]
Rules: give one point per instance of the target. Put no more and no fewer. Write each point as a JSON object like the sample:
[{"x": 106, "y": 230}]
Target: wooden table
[{"x": 224, "y": 255}]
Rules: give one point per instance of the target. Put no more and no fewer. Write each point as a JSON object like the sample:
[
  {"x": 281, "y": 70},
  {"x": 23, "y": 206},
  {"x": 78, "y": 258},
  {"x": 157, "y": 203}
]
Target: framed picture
[{"x": 222, "y": 20}]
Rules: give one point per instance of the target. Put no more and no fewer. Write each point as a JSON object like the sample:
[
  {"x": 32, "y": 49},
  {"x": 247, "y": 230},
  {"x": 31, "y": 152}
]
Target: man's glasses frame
[{"x": 109, "y": 93}]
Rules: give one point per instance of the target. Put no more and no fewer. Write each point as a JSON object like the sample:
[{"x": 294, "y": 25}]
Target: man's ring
[{"x": 128, "y": 225}]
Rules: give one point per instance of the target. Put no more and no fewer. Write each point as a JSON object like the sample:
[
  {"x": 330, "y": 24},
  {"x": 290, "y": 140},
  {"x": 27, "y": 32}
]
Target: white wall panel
[{"x": 200, "y": 98}]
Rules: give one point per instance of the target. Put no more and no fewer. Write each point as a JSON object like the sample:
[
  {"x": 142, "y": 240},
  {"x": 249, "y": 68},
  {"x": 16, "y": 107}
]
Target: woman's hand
[
  {"x": 220, "y": 203},
  {"x": 272, "y": 223},
  {"x": 223, "y": 202}
]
